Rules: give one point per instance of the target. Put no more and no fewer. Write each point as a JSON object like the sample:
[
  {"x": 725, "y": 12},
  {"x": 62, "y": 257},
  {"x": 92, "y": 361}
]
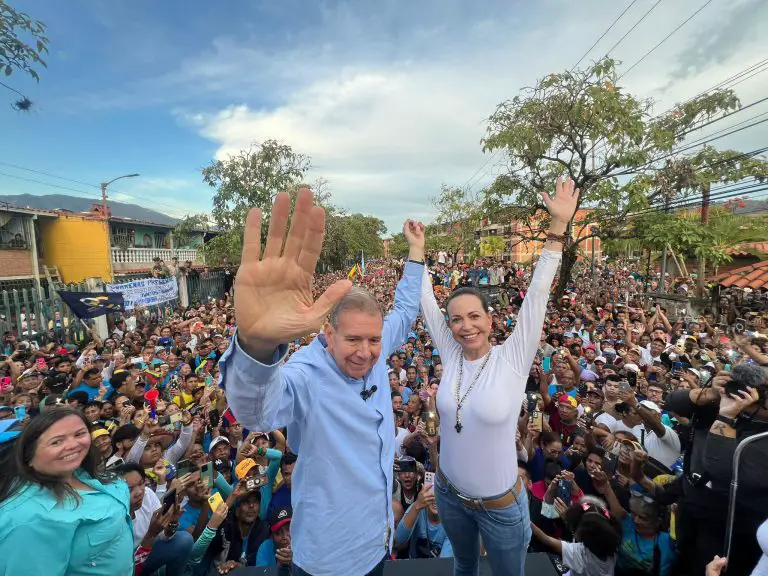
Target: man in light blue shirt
[{"x": 333, "y": 394}]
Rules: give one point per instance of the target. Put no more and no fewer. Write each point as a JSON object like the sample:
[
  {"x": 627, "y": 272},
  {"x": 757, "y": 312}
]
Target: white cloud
[{"x": 387, "y": 132}]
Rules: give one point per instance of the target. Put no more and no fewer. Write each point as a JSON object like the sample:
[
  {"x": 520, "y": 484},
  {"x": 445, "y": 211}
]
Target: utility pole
[
  {"x": 704, "y": 221},
  {"x": 663, "y": 281},
  {"x": 105, "y": 217}
]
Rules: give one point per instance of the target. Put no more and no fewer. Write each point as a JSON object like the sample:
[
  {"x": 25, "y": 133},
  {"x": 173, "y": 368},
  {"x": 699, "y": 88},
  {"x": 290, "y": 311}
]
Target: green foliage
[
  {"x": 251, "y": 179},
  {"x": 686, "y": 235},
  {"x": 22, "y": 42},
  {"x": 347, "y": 236},
  {"x": 492, "y": 246},
  {"x": 398, "y": 248},
  {"x": 583, "y": 125},
  {"x": 459, "y": 215},
  {"x": 188, "y": 228}
]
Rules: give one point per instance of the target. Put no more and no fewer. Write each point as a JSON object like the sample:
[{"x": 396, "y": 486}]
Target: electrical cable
[
  {"x": 619, "y": 17},
  {"x": 667, "y": 37}
]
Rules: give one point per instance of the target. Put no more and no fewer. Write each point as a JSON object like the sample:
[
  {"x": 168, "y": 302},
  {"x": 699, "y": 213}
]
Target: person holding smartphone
[{"x": 475, "y": 496}]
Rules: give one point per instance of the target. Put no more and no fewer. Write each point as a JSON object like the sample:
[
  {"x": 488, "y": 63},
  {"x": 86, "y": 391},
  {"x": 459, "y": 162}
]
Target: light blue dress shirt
[
  {"x": 39, "y": 535},
  {"x": 342, "y": 482}
]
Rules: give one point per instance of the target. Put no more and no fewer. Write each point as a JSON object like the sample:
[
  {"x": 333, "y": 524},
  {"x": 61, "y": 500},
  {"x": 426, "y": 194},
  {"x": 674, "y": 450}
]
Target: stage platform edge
[{"x": 535, "y": 565}]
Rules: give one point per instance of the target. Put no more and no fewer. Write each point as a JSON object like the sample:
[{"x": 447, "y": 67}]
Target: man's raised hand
[{"x": 273, "y": 290}]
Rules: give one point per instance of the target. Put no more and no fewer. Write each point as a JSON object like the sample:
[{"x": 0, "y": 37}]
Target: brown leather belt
[{"x": 493, "y": 503}]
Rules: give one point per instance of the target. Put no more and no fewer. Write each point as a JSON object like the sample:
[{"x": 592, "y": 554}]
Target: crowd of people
[{"x": 123, "y": 455}]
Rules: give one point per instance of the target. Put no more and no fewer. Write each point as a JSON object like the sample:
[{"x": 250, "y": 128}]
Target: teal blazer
[{"x": 93, "y": 537}]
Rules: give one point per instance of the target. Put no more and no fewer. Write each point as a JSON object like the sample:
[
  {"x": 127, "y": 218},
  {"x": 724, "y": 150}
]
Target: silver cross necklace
[{"x": 460, "y": 377}]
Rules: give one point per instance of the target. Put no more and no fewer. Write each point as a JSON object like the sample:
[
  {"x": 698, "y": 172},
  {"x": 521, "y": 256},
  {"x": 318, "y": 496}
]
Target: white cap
[
  {"x": 651, "y": 406},
  {"x": 601, "y": 359},
  {"x": 634, "y": 367}
]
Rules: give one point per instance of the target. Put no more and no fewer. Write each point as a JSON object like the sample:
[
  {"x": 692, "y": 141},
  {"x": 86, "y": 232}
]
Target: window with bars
[{"x": 13, "y": 233}]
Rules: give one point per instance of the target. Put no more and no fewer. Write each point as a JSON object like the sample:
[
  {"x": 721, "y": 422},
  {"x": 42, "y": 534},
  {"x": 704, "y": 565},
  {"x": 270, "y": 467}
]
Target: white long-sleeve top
[{"x": 481, "y": 461}]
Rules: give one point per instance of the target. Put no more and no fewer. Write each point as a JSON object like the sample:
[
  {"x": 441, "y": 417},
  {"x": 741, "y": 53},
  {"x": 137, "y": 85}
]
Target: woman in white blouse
[{"x": 477, "y": 485}]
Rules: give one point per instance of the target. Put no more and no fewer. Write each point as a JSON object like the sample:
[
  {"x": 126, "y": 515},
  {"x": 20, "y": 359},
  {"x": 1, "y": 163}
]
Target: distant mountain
[{"x": 76, "y": 204}]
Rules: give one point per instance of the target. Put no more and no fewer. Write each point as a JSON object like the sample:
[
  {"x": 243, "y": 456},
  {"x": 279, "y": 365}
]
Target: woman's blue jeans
[{"x": 506, "y": 533}]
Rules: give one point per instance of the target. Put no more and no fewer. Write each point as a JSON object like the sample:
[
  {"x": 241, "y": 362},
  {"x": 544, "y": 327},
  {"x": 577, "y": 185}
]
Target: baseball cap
[
  {"x": 279, "y": 517},
  {"x": 596, "y": 392},
  {"x": 650, "y": 405},
  {"x": 601, "y": 359},
  {"x": 218, "y": 440},
  {"x": 242, "y": 469},
  {"x": 588, "y": 376},
  {"x": 634, "y": 367},
  {"x": 565, "y": 399}
]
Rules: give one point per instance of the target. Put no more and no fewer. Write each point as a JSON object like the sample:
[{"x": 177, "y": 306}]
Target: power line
[
  {"x": 96, "y": 186},
  {"x": 667, "y": 37},
  {"x": 619, "y": 17},
  {"x": 46, "y": 184},
  {"x": 643, "y": 17}
]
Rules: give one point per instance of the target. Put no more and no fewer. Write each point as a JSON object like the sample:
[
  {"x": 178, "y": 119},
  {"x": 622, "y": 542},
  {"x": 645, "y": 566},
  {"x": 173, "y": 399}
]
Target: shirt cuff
[{"x": 277, "y": 357}]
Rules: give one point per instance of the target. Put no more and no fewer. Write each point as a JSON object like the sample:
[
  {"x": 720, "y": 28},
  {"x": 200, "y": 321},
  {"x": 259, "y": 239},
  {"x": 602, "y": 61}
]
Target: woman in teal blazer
[{"x": 58, "y": 517}]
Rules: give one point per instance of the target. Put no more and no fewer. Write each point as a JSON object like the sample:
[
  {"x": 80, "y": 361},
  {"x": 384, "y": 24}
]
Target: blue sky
[{"x": 388, "y": 97}]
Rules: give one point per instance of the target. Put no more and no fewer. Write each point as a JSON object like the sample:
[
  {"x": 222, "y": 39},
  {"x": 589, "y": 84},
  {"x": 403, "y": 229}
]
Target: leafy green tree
[
  {"x": 398, "y": 248},
  {"x": 249, "y": 179},
  {"x": 584, "y": 125},
  {"x": 23, "y": 44},
  {"x": 188, "y": 228},
  {"x": 459, "y": 215},
  {"x": 686, "y": 235},
  {"x": 492, "y": 246}
]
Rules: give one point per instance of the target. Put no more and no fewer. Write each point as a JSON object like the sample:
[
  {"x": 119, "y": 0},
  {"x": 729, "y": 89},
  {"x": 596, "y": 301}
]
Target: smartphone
[
  {"x": 206, "y": 474},
  {"x": 137, "y": 361},
  {"x": 677, "y": 366},
  {"x": 546, "y": 364},
  {"x": 167, "y": 419},
  {"x": 214, "y": 418},
  {"x": 169, "y": 500},
  {"x": 538, "y": 421},
  {"x": 215, "y": 501},
  {"x": 727, "y": 367},
  {"x": 185, "y": 467},
  {"x": 41, "y": 364},
  {"x": 254, "y": 483},
  {"x": 610, "y": 461},
  {"x": 583, "y": 389},
  {"x": 624, "y": 385},
  {"x": 20, "y": 412},
  {"x": 399, "y": 413},
  {"x": 429, "y": 478},
  {"x": 632, "y": 378},
  {"x": 564, "y": 491},
  {"x": 532, "y": 403},
  {"x": 652, "y": 377}
]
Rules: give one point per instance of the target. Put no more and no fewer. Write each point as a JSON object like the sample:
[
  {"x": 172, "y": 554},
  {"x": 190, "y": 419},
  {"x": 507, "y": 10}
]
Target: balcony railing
[{"x": 147, "y": 255}]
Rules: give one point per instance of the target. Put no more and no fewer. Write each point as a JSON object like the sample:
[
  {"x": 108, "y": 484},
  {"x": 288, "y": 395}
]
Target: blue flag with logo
[{"x": 92, "y": 304}]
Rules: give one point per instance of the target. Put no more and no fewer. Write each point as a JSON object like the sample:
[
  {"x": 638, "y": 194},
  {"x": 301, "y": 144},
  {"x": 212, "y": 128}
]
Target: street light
[
  {"x": 104, "y": 190},
  {"x": 105, "y": 217}
]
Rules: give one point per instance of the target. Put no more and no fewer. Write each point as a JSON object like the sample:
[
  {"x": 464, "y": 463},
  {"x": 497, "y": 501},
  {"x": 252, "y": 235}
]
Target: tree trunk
[{"x": 566, "y": 266}]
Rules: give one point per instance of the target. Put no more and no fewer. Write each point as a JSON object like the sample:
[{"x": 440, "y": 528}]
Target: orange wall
[{"x": 78, "y": 246}]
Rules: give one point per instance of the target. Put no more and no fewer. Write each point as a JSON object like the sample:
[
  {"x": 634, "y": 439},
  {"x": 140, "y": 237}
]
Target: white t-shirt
[
  {"x": 606, "y": 420},
  {"x": 144, "y": 514},
  {"x": 583, "y": 563},
  {"x": 665, "y": 449},
  {"x": 470, "y": 459}
]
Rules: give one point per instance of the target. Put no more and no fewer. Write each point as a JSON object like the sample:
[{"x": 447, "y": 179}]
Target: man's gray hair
[{"x": 357, "y": 300}]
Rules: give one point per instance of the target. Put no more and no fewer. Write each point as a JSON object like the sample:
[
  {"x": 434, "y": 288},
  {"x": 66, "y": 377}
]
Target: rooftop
[{"x": 754, "y": 276}]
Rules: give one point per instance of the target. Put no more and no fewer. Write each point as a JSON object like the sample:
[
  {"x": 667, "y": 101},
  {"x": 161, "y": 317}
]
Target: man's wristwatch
[{"x": 732, "y": 422}]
